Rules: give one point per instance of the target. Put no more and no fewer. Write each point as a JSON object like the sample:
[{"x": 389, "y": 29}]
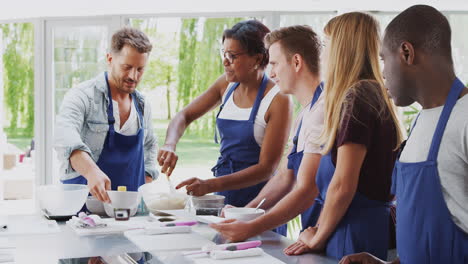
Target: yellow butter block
[{"x": 122, "y": 188}]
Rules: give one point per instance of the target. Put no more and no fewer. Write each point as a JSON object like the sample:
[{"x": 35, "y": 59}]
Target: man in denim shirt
[{"x": 108, "y": 143}]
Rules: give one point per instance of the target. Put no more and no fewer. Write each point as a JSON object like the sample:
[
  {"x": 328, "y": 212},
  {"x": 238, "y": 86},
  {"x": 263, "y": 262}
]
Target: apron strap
[
  {"x": 455, "y": 91},
  {"x": 255, "y": 107},
  {"x": 259, "y": 98},
  {"x": 110, "y": 108},
  {"x": 110, "y": 114},
  {"x": 139, "y": 111},
  {"x": 230, "y": 91},
  {"x": 317, "y": 93}
]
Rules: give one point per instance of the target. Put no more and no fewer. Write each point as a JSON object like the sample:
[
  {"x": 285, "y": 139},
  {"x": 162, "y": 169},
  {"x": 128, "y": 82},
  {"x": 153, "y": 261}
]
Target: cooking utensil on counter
[{"x": 229, "y": 247}]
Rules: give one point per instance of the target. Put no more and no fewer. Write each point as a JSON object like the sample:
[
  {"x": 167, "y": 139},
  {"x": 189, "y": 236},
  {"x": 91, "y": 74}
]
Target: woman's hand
[
  {"x": 197, "y": 187},
  {"x": 297, "y": 248},
  {"x": 167, "y": 158},
  {"x": 306, "y": 243},
  {"x": 235, "y": 230},
  {"x": 308, "y": 238}
]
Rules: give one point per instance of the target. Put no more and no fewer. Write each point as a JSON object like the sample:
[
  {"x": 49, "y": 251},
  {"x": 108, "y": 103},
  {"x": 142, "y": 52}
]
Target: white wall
[{"x": 60, "y": 8}]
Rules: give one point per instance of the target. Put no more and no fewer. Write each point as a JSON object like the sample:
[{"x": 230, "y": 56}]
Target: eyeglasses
[{"x": 229, "y": 56}]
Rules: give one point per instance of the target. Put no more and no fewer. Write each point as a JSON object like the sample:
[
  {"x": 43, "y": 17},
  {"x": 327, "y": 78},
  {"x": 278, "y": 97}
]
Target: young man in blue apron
[
  {"x": 292, "y": 190},
  {"x": 104, "y": 135},
  {"x": 430, "y": 178}
]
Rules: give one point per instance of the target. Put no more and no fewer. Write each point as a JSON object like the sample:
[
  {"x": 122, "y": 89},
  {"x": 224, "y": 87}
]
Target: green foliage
[
  {"x": 185, "y": 62},
  {"x": 18, "y": 75},
  {"x": 193, "y": 151},
  {"x": 187, "y": 52},
  {"x": 409, "y": 114},
  {"x": 78, "y": 56},
  {"x": 162, "y": 65},
  {"x": 200, "y": 64},
  {"x": 294, "y": 227}
]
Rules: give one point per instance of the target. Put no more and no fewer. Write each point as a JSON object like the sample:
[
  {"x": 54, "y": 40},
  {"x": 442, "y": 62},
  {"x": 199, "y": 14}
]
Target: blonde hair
[{"x": 353, "y": 58}]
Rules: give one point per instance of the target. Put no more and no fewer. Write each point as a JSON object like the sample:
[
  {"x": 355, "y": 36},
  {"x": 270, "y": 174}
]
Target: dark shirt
[{"x": 363, "y": 124}]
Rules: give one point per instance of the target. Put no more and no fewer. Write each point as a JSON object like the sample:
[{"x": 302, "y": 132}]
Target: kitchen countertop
[{"x": 49, "y": 248}]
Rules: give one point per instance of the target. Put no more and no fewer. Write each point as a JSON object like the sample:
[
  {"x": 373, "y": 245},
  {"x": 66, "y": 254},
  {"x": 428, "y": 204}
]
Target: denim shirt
[{"x": 81, "y": 124}]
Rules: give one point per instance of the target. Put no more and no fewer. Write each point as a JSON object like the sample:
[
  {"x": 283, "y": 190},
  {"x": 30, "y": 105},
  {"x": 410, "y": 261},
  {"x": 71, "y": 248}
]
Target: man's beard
[{"x": 121, "y": 85}]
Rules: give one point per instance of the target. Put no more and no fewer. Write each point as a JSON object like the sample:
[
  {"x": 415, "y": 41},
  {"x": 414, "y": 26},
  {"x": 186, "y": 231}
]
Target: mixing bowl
[
  {"x": 243, "y": 213},
  {"x": 95, "y": 206},
  {"x": 122, "y": 200},
  {"x": 210, "y": 204},
  {"x": 157, "y": 199},
  {"x": 62, "y": 199}
]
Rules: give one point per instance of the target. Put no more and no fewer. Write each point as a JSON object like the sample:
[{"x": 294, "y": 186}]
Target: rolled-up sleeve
[
  {"x": 68, "y": 128},
  {"x": 151, "y": 144}
]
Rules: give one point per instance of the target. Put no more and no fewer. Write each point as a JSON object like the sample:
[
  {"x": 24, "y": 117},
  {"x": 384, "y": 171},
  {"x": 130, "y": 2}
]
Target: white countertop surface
[{"x": 66, "y": 244}]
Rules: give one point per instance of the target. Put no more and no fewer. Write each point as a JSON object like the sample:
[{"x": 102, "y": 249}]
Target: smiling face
[
  {"x": 242, "y": 65},
  {"x": 126, "y": 68},
  {"x": 282, "y": 70},
  {"x": 397, "y": 79}
]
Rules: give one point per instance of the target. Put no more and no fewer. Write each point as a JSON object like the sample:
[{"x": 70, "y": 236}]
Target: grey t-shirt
[{"x": 452, "y": 159}]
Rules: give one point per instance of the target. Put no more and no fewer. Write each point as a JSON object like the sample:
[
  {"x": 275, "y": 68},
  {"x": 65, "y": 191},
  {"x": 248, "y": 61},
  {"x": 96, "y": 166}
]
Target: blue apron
[
  {"x": 239, "y": 150},
  {"x": 310, "y": 216},
  {"x": 122, "y": 157},
  {"x": 365, "y": 225},
  {"x": 425, "y": 230}
]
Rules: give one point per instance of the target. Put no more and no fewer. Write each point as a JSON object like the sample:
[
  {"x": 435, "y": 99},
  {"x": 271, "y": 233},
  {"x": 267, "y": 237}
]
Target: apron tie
[{"x": 222, "y": 161}]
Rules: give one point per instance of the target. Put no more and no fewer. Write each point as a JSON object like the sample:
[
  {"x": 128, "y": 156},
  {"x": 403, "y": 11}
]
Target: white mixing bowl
[
  {"x": 156, "y": 199},
  {"x": 62, "y": 199},
  {"x": 243, "y": 213},
  {"x": 95, "y": 206},
  {"x": 122, "y": 200}
]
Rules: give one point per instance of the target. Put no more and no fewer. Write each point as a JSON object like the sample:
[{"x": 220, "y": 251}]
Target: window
[
  {"x": 316, "y": 21},
  {"x": 17, "y": 174},
  {"x": 184, "y": 62},
  {"x": 458, "y": 22},
  {"x": 77, "y": 53}
]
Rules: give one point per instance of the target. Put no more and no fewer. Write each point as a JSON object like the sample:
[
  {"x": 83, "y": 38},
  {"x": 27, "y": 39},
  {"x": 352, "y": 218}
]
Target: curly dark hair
[{"x": 250, "y": 34}]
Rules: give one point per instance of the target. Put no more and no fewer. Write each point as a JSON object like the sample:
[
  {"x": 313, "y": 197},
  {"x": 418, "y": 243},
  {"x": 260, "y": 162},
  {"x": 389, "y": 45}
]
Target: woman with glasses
[{"x": 252, "y": 122}]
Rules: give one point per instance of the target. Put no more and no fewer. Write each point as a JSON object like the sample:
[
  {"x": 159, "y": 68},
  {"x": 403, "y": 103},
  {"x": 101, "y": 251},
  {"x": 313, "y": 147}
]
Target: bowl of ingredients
[
  {"x": 210, "y": 204},
  {"x": 157, "y": 198}
]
